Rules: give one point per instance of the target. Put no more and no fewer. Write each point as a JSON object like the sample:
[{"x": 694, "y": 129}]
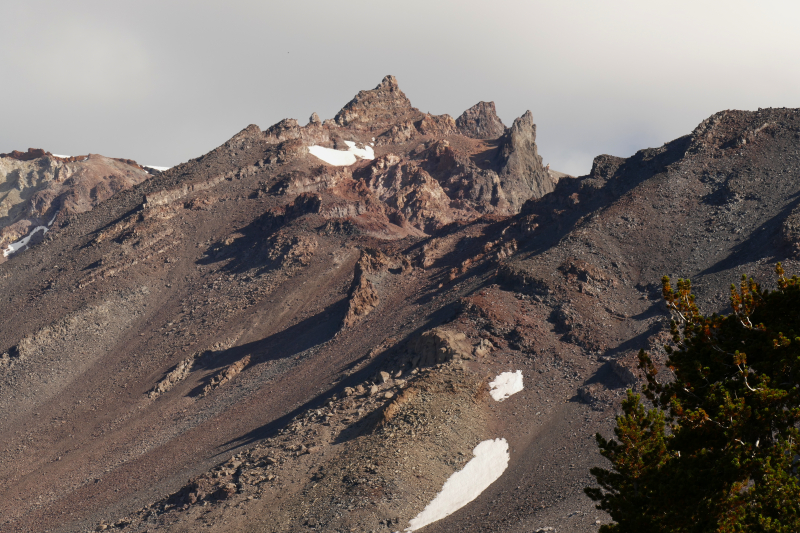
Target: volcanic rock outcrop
[
  {"x": 481, "y": 122},
  {"x": 383, "y": 106},
  {"x": 519, "y": 158},
  {"x": 426, "y": 171}
]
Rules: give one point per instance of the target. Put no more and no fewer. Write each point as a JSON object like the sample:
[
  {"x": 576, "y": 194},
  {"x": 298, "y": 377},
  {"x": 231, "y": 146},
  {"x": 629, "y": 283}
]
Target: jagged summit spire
[{"x": 381, "y": 107}]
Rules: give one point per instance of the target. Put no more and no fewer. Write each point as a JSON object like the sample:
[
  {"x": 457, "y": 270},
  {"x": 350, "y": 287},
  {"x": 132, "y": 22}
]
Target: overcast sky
[{"x": 165, "y": 81}]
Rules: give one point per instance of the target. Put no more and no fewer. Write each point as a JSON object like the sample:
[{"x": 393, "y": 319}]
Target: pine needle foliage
[{"x": 719, "y": 450}]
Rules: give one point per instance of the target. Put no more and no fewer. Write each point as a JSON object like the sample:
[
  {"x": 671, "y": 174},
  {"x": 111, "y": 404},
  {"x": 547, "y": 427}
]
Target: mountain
[{"x": 310, "y": 327}]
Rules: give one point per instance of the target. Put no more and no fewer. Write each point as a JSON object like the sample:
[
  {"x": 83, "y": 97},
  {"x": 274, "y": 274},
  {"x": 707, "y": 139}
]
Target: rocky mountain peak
[
  {"x": 520, "y": 159},
  {"x": 379, "y": 108},
  {"x": 481, "y": 122},
  {"x": 421, "y": 171}
]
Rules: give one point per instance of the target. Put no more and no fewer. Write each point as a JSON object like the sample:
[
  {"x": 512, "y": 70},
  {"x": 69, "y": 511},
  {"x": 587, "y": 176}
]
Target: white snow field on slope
[
  {"x": 15, "y": 246},
  {"x": 505, "y": 385},
  {"x": 342, "y": 158},
  {"x": 490, "y": 461}
]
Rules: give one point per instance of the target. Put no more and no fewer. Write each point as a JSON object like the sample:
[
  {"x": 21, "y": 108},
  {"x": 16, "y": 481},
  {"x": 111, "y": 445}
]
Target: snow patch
[
  {"x": 62, "y": 156},
  {"x": 22, "y": 243},
  {"x": 160, "y": 169},
  {"x": 505, "y": 385},
  {"x": 342, "y": 158},
  {"x": 490, "y": 461}
]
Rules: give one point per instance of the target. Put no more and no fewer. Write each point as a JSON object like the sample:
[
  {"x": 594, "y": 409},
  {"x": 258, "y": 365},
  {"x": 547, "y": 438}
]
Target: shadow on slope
[
  {"x": 559, "y": 212},
  {"x": 260, "y": 245},
  {"x": 306, "y": 334},
  {"x": 383, "y": 360},
  {"x": 761, "y": 244}
]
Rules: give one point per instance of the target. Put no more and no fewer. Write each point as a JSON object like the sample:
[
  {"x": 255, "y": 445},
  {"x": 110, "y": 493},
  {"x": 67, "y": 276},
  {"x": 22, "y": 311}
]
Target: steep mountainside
[{"x": 303, "y": 329}]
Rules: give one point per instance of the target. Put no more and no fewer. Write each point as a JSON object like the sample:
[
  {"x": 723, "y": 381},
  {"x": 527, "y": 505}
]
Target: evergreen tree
[{"x": 719, "y": 449}]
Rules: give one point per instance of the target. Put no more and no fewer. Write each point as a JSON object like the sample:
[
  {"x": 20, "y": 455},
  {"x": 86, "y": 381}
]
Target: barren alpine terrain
[{"x": 313, "y": 327}]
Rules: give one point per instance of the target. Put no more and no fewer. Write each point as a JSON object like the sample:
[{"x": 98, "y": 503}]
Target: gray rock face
[
  {"x": 522, "y": 174},
  {"x": 289, "y": 129},
  {"x": 481, "y": 122}
]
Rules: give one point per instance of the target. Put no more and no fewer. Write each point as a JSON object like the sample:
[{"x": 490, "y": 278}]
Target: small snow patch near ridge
[
  {"x": 342, "y": 158},
  {"x": 160, "y": 169},
  {"x": 505, "y": 385},
  {"x": 490, "y": 461}
]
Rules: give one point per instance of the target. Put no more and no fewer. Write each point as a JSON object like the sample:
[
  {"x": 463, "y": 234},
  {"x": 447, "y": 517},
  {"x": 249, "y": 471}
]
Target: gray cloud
[{"x": 162, "y": 82}]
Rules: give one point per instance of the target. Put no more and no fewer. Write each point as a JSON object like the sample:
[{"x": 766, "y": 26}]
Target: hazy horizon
[{"x": 165, "y": 82}]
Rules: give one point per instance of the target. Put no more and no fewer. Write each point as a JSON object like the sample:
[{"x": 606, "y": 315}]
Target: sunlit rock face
[{"x": 38, "y": 185}]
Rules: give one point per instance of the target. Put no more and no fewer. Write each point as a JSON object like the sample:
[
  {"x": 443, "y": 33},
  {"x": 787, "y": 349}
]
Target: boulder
[
  {"x": 439, "y": 345},
  {"x": 363, "y": 299}
]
